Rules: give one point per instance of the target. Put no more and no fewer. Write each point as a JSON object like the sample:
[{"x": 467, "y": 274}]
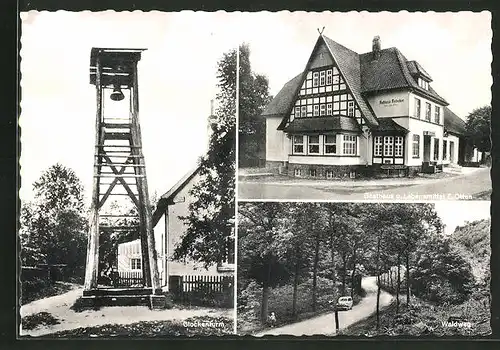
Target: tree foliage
[
  {"x": 209, "y": 236},
  {"x": 253, "y": 98},
  {"x": 478, "y": 128},
  {"x": 53, "y": 226}
]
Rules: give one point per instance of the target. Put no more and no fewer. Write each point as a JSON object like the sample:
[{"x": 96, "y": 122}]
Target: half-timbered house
[{"x": 350, "y": 114}]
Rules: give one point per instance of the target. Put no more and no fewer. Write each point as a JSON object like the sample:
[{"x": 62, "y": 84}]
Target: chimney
[{"x": 376, "y": 47}]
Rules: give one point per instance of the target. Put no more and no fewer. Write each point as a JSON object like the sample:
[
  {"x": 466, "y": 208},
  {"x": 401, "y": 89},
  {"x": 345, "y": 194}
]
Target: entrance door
[
  {"x": 427, "y": 148},
  {"x": 452, "y": 152}
]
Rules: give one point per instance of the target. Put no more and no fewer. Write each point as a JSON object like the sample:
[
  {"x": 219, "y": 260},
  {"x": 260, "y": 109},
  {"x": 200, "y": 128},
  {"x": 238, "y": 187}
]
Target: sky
[
  {"x": 177, "y": 80},
  {"x": 454, "y": 48},
  {"x": 456, "y": 213}
]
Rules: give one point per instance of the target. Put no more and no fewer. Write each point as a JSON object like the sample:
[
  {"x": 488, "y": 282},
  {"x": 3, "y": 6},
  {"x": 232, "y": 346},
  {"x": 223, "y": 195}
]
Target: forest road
[{"x": 325, "y": 324}]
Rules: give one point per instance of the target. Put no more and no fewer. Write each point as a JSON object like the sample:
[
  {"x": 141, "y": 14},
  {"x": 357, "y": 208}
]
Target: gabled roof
[
  {"x": 349, "y": 65},
  {"x": 453, "y": 123},
  {"x": 167, "y": 198},
  {"x": 363, "y": 76},
  {"x": 325, "y": 124},
  {"x": 391, "y": 71}
]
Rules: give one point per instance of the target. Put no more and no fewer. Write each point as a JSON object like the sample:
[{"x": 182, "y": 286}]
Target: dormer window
[{"x": 423, "y": 84}]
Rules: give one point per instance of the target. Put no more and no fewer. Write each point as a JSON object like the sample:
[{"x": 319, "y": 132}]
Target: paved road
[
  {"x": 325, "y": 324},
  {"x": 452, "y": 188}
]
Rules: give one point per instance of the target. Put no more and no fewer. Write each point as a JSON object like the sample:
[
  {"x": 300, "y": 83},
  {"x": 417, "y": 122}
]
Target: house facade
[
  {"x": 350, "y": 114},
  {"x": 168, "y": 231}
]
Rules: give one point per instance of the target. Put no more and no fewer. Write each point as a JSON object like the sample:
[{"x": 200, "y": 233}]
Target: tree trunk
[
  {"x": 295, "y": 283},
  {"x": 398, "y": 284},
  {"x": 344, "y": 272},
  {"x": 315, "y": 273},
  {"x": 265, "y": 304},
  {"x": 378, "y": 283},
  {"x": 353, "y": 272},
  {"x": 408, "y": 279},
  {"x": 334, "y": 272}
]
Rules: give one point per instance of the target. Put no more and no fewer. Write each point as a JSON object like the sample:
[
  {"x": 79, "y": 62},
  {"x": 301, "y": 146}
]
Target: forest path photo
[{"x": 325, "y": 324}]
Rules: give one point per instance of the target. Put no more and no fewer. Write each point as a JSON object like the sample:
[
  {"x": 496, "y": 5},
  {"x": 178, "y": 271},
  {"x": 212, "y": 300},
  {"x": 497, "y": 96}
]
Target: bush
[
  {"x": 35, "y": 320},
  {"x": 33, "y": 288}
]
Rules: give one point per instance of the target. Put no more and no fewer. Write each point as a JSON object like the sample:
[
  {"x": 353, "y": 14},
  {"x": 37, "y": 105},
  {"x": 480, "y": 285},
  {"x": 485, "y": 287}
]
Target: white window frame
[
  {"x": 303, "y": 111},
  {"x": 329, "y": 108},
  {"x": 445, "y": 149},
  {"x": 350, "y": 108},
  {"x": 377, "y": 149},
  {"x": 388, "y": 146},
  {"x": 428, "y": 111},
  {"x": 322, "y": 109},
  {"x": 315, "y": 110},
  {"x": 315, "y": 79},
  {"x": 329, "y": 77},
  {"x": 437, "y": 114},
  {"x": 418, "y": 108},
  {"x": 322, "y": 78},
  {"x": 398, "y": 146},
  {"x": 415, "y": 146},
  {"x": 309, "y": 144},
  {"x": 325, "y": 144},
  {"x": 297, "y": 112},
  {"x": 295, "y": 143},
  {"x": 135, "y": 264},
  {"x": 349, "y": 145},
  {"x": 329, "y": 174},
  {"x": 297, "y": 172}
]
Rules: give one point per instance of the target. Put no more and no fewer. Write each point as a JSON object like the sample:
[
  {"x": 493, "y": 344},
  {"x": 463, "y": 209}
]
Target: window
[
  {"x": 322, "y": 78},
  {"x": 330, "y": 144},
  {"x": 303, "y": 111},
  {"x": 297, "y": 172},
  {"x": 423, "y": 84},
  {"x": 313, "y": 144},
  {"x": 388, "y": 146},
  {"x": 428, "y": 111},
  {"x": 315, "y": 79},
  {"x": 329, "y": 77},
  {"x": 329, "y": 174},
  {"x": 416, "y": 146},
  {"x": 377, "y": 152},
  {"x": 350, "y": 108},
  {"x": 437, "y": 116},
  {"x": 322, "y": 109},
  {"x": 349, "y": 145},
  {"x": 328, "y": 109},
  {"x": 436, "y": 149},
  {"x": 417, "y": 108},
  {"x": 398, "y": 146},
  {"x": 316, "y": 110},
  {"x": 135, "y": 264},
  {"x": 336, "y": 79},
  {"x": 297, "y": 112},
  {"x": 312, "y": 172},
  {"x": 445, "y": 153},
  {"x": 298, "y": 144}
]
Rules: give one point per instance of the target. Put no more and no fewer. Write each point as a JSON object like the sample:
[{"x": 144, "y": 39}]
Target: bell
[{"x": 117, "y": 94}]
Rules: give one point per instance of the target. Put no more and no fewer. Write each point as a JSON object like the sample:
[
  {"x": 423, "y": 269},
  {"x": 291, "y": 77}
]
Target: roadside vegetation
[{"x": 450, "y": 282}]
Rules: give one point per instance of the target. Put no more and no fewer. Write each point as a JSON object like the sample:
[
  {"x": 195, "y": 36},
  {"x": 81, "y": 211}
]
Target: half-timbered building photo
[
  {"x": 380, "y": 100},
  {"x": 126, "y": 223}
]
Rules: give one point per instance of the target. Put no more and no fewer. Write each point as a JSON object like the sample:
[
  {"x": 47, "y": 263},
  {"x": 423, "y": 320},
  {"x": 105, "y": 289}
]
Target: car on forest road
[{"x": 344, "y": 303}]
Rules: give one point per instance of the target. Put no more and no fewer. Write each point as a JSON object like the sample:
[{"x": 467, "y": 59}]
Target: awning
[{"x": 323, "y": 124}]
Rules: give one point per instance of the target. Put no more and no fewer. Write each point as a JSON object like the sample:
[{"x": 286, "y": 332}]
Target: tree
[
  {"x": 253, "y": 98},
  {"x": 53, "y": 226},
  {"x": 478, "y": 128},
  {"x": 264, "y": 235},
  {"x": 209, "y": 236}
]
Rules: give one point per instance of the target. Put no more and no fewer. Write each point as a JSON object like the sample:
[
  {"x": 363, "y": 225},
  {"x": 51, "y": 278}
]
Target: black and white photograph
[
  {"x": 365, "y": 106},
  {"x": 364, "y": 269},
  {"x": 127, "y": 221}
]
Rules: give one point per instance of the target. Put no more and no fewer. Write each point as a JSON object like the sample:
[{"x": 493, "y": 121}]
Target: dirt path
[
  {"x": 325, "y": 324},
  {"x": 59, "y": 307}
]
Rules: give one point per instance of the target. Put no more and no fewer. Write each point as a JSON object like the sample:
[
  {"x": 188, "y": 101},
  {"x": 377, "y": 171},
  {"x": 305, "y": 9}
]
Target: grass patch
[
  {"x": 45, "y": 291},
  {"x": 42, "y": 318},
  {"x": 424, "y": 319},
  {"x": 194, "y": 326},
  {"x": 485, "y": 195}
]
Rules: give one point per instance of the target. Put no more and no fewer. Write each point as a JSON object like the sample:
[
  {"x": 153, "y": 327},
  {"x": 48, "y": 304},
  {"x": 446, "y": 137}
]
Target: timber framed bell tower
[{"x": 119, "y": 164}]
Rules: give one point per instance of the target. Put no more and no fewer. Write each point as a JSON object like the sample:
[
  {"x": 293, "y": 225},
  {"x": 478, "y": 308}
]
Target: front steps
[{"x": 124, "y": 297}]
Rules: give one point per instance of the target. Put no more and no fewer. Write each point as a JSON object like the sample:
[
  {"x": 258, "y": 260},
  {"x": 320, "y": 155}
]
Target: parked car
[{"x": 344, "y": 303}]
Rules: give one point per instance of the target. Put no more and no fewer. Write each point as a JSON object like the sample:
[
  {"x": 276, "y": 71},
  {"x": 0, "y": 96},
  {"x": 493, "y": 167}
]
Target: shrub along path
[
  {"x": 325, "y": 324},
  {"x": 60, "y": 308}
]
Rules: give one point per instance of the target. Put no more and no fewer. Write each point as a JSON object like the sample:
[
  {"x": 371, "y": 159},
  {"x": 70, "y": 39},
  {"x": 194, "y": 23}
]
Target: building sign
[
  {"x": 429, "y": 133},
  {"x": 390, "y": 104}
]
